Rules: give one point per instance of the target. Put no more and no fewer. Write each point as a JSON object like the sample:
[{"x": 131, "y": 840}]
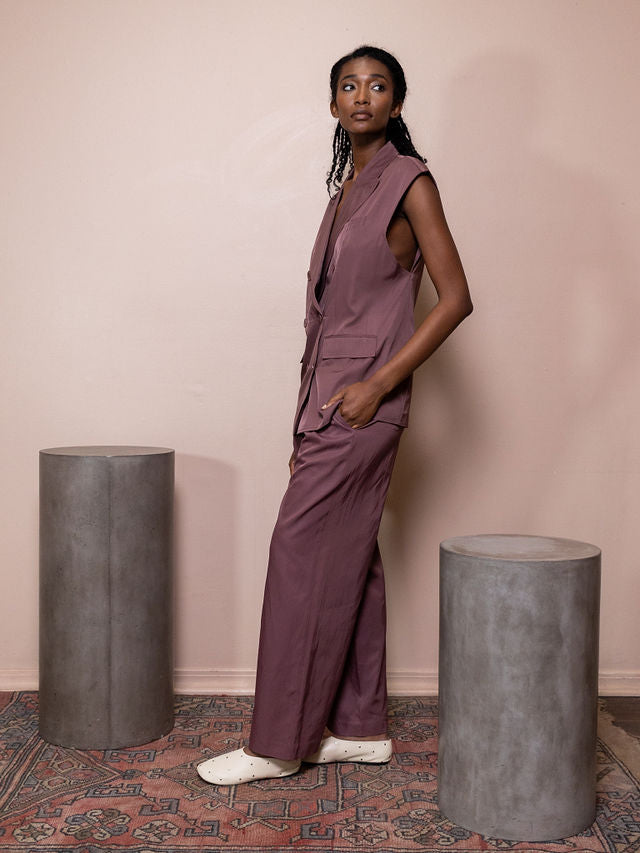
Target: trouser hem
[
  {"x": 283, "y": 752},
  {"x": 357, "y": 728}
]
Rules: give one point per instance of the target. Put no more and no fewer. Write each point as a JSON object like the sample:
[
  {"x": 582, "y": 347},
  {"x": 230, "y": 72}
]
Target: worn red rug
[{"x": 150, "y": 798}]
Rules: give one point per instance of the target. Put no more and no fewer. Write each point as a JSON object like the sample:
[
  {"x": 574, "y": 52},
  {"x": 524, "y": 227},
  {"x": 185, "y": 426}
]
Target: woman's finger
[{"x": 335, "y": 399}]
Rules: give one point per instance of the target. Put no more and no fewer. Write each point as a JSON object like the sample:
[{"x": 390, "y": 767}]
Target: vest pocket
[{"x": 349, "y": 346}]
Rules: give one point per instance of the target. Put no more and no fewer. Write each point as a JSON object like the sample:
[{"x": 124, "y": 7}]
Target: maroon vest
[{"x": 366, "y": 311}]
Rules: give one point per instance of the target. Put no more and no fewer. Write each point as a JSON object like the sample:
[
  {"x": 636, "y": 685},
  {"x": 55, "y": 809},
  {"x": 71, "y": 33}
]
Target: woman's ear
[
  {"x": 334, "y": 109},
  {"x": 396, "y": 110}
]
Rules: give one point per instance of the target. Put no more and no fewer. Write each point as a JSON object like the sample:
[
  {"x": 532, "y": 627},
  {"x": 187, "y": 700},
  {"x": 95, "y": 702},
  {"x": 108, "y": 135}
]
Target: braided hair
[{"x": 397, "y": 131}]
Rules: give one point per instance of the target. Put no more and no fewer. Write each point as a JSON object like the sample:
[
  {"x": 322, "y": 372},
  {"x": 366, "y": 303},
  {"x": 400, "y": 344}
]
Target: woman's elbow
[
  {"x": 457, "y": 306},
  {"x": 462, "y": 307}
]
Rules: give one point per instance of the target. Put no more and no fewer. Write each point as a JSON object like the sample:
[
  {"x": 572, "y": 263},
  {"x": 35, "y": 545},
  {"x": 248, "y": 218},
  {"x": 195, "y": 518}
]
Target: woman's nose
[{"x": 362, "y": 96}]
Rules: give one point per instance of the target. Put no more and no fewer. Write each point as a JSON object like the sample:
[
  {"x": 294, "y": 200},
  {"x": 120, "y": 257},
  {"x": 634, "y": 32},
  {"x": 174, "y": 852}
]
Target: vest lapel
[
  {"x": 319, "y": 249},
  {"x": 360, "y": 192},
  {"x": 363, "y": 186}
]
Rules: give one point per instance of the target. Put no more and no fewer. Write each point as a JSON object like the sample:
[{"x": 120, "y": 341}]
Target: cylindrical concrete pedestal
[
  {"x": 518, "y": 681},
  {"x": 106, "y": 645}
]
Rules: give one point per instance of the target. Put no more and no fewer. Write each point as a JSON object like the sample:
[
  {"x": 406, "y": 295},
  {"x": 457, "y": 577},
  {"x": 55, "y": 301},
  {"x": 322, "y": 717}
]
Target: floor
[
  {"x": 625, "y": 711},
  {"x": 150, "y": 798}
]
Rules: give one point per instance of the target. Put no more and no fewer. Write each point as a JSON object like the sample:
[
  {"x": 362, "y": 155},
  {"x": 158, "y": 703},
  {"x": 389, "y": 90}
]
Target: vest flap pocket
[{"x": 349, "y": 346}]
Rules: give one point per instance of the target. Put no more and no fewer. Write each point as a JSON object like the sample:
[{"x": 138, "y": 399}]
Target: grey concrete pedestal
[
  {"x": 106, "y": 661},
  {"x": 518, "y": 682}
]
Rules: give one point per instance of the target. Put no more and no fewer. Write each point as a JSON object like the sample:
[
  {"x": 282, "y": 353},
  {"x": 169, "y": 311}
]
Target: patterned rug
[{"x": 150, "y": 798}]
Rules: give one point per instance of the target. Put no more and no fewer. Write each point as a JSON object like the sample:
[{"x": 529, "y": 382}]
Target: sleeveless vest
[{"x": 366, "y": 312}]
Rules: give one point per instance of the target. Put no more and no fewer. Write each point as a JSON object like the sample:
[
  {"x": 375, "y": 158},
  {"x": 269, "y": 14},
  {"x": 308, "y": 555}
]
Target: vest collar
[
  {"x": 376, "y": 166},
  {"x": 366, "y": 182}
]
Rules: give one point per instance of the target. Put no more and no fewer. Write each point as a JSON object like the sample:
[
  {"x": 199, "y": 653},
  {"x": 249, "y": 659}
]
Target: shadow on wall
[
  {"x": 528, "y": 401},
  {"x": 206, "y": 572}
]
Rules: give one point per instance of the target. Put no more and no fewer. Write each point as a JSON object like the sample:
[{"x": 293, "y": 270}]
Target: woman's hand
[
  {"x": 292, "y": 462},
  {"x": 360, "y": 402}
]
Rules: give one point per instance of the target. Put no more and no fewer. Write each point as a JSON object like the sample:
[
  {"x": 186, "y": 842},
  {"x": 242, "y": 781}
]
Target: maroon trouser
[{"x": 321, "y": 659}]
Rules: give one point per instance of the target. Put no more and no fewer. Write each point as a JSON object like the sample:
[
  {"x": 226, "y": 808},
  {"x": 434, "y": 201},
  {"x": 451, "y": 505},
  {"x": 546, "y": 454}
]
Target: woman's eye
[
  {"x": 379, "y": 87},
  {"x": 347, "y": 87}
]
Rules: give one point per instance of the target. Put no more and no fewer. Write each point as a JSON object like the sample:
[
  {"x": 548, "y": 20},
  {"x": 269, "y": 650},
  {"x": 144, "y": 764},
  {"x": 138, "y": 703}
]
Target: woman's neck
[{"x": 364, "y": 150}]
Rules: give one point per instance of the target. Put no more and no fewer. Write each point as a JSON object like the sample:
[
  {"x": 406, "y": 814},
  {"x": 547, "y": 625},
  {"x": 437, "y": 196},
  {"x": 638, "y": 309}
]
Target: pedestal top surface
[
  {"x": 508, "y": 546},
  {"x": 106, "y": 450}
]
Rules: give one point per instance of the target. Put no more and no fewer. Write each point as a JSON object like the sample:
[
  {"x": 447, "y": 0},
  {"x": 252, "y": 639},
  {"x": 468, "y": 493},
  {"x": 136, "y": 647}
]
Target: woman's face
[{"x": 364, "y": 98}]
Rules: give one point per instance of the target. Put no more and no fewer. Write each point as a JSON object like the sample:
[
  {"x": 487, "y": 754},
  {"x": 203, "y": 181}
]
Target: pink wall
[{"x": 162, "y": 167}]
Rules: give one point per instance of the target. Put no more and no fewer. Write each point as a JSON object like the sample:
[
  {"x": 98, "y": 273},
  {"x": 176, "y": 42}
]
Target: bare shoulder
[
  {"x": 422, "y": 204},
  {"x": 422, "y": 191}
]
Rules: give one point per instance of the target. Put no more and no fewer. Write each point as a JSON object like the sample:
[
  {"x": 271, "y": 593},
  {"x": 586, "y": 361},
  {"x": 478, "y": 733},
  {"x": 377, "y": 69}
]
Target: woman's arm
[{"x": 424, "y": 211}]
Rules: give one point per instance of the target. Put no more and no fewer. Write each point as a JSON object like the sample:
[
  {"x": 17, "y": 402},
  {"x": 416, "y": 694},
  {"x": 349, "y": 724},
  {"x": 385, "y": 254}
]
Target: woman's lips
[{"x": 360, "y": 115}]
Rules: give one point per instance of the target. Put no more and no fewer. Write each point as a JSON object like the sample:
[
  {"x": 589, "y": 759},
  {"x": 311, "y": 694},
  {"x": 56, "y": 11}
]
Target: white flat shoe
[
  {"x": 336, "y": 749},
  {"x": 232, "y": 768}
]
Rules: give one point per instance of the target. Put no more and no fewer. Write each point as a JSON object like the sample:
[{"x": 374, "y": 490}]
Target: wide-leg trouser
[{"x": 321, "y": 657}]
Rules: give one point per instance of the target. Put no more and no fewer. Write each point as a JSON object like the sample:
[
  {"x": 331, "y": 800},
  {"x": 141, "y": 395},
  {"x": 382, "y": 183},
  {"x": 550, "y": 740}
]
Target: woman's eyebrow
[{"x": 367, "y": 76}]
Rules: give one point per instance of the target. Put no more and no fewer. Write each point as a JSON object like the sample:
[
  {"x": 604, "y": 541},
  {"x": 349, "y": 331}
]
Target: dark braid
[
  {"x": 341, "y": 156},
  {"x": 397, "y": 131}
]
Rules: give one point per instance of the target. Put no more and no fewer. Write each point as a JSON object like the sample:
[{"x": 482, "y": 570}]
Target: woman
[{"x": 321, "y": 681}]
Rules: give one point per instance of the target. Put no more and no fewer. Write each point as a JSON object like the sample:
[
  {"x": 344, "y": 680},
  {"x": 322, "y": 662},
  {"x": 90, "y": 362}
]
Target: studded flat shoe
[
  {"x": 367, "y": 751},
  {"x": 233, "y": 768}
]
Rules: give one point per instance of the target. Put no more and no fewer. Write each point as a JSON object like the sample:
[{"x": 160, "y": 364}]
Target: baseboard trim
[
  {"x": 235, "y": 682},
  {"x": 240, "y": 682},
  {"x": 18, "y": 679},
  {"x": 619, "y": 684}
]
